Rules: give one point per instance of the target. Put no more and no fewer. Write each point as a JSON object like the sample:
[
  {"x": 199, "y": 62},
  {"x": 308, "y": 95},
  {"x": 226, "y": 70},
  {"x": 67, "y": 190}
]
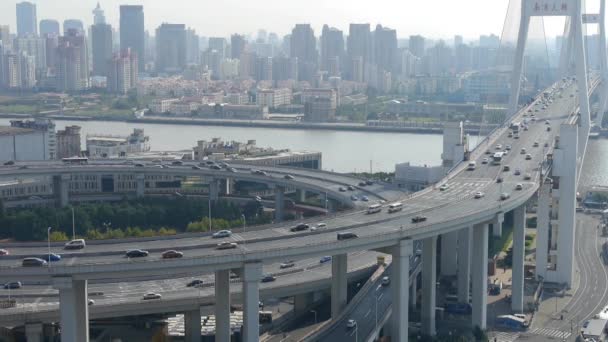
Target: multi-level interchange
[{"x": 464, "y": 208}]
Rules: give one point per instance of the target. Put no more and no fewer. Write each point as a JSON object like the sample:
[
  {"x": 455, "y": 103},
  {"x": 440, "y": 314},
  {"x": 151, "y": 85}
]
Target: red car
[{"x": 171, "y": 254}]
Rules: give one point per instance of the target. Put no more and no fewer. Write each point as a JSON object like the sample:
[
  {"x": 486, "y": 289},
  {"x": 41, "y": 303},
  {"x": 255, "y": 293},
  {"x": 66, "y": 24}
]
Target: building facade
[
  {"x": 132, "y": 32},
  {"x": 68, "y": 142},
  {"x": 122, "y": 72}
]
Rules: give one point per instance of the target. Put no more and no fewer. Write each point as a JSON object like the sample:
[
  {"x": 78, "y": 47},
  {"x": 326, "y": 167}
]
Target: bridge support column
[
  {"x": 279, "y": 203},
  {"x": 302, "y": 195},
  {"x": 497, "y": 225},
  {"x": 480, "y": 275},
  {"x": 464, "y": 264},
  {"x": 141, "y": 185},
  {"x": 542, "y": 230},
  {"x": 222, "y": 306},
  {"x": 73, "y": 309},
  {"x": 61, "y": 188},
  {"x": 192, "y": 326},
  {"x": 214, "y": 189},
  {"x": 429, "y": 280},
  {"x": 33, "y": 332},
  {"x": 252, "y": 274},
  {"x": 414, "y": 292},
  {"x": 566, "y": 169},
  {"x": 519, "y": 239},
  {"x": 228, "y": 189},
  {"x": 401, "y": 280},
  {"x": 449, "y": 243},
  {"x": 339, "y": 284}
]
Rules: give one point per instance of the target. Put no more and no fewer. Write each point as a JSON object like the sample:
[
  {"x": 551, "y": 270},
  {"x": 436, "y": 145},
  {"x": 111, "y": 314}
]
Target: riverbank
[{"x": 415, "y": 128}]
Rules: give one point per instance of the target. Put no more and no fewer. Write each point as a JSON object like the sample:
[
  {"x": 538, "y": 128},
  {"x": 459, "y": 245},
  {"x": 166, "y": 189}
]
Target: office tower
[
  {"x": 359, "y": 42},
  {"x": 32, "y": 46},
  {"x": 98, "y": 15},
  {"x": 101, "y": 39},
  {"x": 491, "y": 41},
  {"x": 122, "y": 72},
  {"x": 441, "y": 60},
  {"x": 193, "y": 52},
  {"x": 72, "y": 70},
  {"x": 73, "y": 24},
  {"x": 263, "y": 70},
  {"x": 385, "y": 48},
  {"x": 262, "y": 35},
  {"x": 27, "y": 22},
  {"x": 132, "y": 32},
  {"x": 357, "y": 69},
  {"x": 247, "y": 64},
  {"x": 170, "y": 47},
  {"x": 332, "y": 48},
  {"x": 237, "y": 45},
  {"x": 51, "y": 42},
  {"x": 463, "y": 57},
  {"x": 5, "y": 37},
  {"x": 416, "y": 46},
  {"x": 218, "y": 44},
  {"x": 303, "y": 46},
  {"x": 49, "y": 26}
]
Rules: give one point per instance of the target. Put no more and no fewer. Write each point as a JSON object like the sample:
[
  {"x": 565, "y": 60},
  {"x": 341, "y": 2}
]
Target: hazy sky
[{"x": 432, "y": 18}]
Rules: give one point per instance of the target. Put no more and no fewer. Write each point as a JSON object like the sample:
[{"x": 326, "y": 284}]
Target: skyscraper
[
  {"x": 170, "y": 47},
  {"x": 5, "y": 37},
  {"x": 237, "y": 45},
  {"x": 73, "y": 24},
  {"x": 101, "y": 36},
  {"x": 416, "y": 46},
  {"x": 27, "y": 22},
  {"x": 132, "y": 31},
  {"x": 385, "y": 48},
  {"x": 303, "y": 46},
  {"x": 332, "y": 49},
  {"x": 193, "y": 51},
  {"x": 218, "y": 44},
  {"x": 359, "y": 45},
  {"x": 72, "y": 68},
  {"x": 98, "y": 15},
  {"x": 49, "y": 26}
]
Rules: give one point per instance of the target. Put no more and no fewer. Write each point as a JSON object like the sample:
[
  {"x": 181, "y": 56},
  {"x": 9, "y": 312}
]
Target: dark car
[
  {"x": 290, "y": 177},
  {"x": 136, "y": 253},
  {"x": 10, "y": 162},
  {"x": 499, "y": 180},
  {"x": 139, "y": 165},
  {"x": 215, "y": 167},
  {"x": 346, "y": 236},
  {"x": 177, "y": 162},
  {"x": 418, "y": 218},
  {"x": 12, "y": 285},
  {"x": 300, "y": 227},
  {"x": 194, "y": 167},
  {"x": 172, "y": 254},
  {"x": 195, "y": 283},
  {"x": 268, "y": 278},
  {"x": 51, "y": 257},
  {"x": 369, "y": 182},
  {"x": 458, "y": 308},
  {"x": 362, "y": 184},
  {"x": 33, "y": 262}
]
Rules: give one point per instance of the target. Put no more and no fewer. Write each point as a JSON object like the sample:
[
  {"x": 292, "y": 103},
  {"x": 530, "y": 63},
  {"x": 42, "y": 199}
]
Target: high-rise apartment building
[
  {"x": 68, "y": 142},
  {"x": 132, "y": 33},
  {"x": 170, "y": 47},
  {"x": 193, "y": 51},
  {"x": 101, "y": 42},
  {"x": 416, "y": 45},
  {"x": 72, "y": 70},
  {"x": 18, "y": 71},
  {"x": 51, "y": 42},
  {"x": 49, "y": 26},
  {"x": 218, "y": 44},
  {"x": 5, "y": 37},
  {"x": 332, "y": 49},
  {"x": 32, "y": 46},
  {"x": 263, "y": 69},
  {"x": 237, "y": 45},
  {"x": 122, "y": 72},
  {"x": 359, "y": 47},
  {"x": 303, "y": 46},
  {"x": 27, "y": 22}
]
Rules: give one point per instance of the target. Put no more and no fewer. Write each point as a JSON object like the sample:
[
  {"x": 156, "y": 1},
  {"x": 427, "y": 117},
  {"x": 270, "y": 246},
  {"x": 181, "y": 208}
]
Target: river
[{"x": 343, "y": 151}]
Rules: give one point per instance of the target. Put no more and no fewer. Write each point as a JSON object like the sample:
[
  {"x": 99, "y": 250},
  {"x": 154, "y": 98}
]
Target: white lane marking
[
  {"x": 380, "y": 296},
  {"x": 368, "y": 312}
]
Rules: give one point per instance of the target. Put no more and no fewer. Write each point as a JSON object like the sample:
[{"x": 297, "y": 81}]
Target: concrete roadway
[
  {"x": 443, "y": 208},
  {"x": 126, "y": 294}
]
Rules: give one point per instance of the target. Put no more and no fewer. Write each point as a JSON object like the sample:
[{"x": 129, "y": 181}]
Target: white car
[
  {"x": 444, "y": 187},
  {"x": 479, "y": 194},
  {"x": 322, "y": 225},
  {"x": 75, "y": 244},
  {"x": 385, "y": 281},
  {"x": 519, "y": 186},
  {"x": 351, "y": 323},
  {"x": 222, "y": 234}
]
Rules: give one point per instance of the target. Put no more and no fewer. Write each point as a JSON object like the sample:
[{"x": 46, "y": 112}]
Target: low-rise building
[
  {"x": 319, "y": 109},
  {"x": 109, "y": 146},
  {"x": 47, "y": 128},
  {"x": 273, "y": 98},
  {"x": 68, "y": 142},
  {"x": 206, "y": 148},
  {"x": 18, "y": 144},
  {"x": 162, "y": 106},
  {"x": 251, "y": 112},
  {"x": 183, "y": 108}
]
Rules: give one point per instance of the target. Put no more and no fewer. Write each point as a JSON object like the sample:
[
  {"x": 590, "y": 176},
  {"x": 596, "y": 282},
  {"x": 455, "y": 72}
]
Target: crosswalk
[{"x": 551, "y": 333}]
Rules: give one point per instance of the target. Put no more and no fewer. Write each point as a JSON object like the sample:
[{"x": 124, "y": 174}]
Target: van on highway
[{"x": 346, "y": 236}]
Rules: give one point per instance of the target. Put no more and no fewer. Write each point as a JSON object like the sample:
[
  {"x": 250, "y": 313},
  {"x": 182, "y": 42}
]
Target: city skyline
[{"x": 229, "y": 17}]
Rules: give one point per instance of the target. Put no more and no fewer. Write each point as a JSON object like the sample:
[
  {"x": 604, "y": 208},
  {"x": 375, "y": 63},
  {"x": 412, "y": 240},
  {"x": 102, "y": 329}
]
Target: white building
[
  {"x": 108, "y": 146},
  {"x": 273, "y": 98},
  {"x": 161, "y": 106}
]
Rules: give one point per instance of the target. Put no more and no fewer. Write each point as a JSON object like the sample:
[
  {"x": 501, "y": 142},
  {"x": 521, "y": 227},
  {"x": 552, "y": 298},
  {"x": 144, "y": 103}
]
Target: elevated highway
[{"x": 451, "y": 209}]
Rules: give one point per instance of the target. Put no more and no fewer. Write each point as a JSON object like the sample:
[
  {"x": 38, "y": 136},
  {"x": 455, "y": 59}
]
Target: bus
[
  {"x": 394, "y": 207},
  {"x": 374, "y": 208},
  {"x": 75, "y": 160},
  {"x": 511, "y": 322},
  {"x": 497, "y": 158}
]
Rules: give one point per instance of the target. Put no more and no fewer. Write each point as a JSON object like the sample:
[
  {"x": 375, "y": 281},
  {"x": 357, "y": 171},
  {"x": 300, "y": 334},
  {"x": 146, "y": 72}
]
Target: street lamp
[
  {"x": 73, "y": 225},
  {"x": 48, "y": 237},
  {"x": 209, "y": 197},
  {"x": 244, "y": 229}
]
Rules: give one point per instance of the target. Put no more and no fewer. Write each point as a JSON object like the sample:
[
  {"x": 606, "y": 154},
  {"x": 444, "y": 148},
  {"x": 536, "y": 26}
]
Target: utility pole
[{"x": 73, "y": 225}]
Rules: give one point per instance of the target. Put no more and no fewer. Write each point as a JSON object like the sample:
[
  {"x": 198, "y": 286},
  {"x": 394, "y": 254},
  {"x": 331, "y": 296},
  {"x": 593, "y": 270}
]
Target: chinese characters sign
[{"x": 550, "y": 7}]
